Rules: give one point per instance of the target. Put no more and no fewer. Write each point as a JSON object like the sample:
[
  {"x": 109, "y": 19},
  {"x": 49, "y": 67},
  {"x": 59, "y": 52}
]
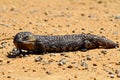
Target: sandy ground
[{"x": 60, "y": 17}]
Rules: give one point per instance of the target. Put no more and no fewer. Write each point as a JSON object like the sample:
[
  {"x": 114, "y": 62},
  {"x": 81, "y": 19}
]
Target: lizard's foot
[
  {"x": 17, "y": 53},
  {"x": 14, "y": 53}
]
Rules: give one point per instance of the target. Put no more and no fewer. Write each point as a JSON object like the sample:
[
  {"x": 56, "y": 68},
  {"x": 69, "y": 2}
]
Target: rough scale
[{"x": 60, "y": 43}]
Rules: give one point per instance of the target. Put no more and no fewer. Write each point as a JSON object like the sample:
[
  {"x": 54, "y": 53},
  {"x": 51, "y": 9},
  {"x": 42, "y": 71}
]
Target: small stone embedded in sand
[
  {"x": 34, "y": 70},
  {"x": 45, "y": 20},
  {"x": 118, "y": 75},
  {"x": 45, "y": 13},
  {"x": 112, "y": 75},
  {"x": 89, "y": 57},
  {"x": 3, "y": 44},
  {"x": 94, "y": 64},
  {"x": 8, "y": 62},
  {"x": 73, "y": 31},
  {"x": 75, "y": 76},
  {"x": 62, "y": 62},
  {"x": 99, "y": 2},
  {"x": 38, "y": 59},
  {"x": 84, "y": 64},
  {"x": 117, "y": 17},
  {"x": 117, "y": 63},
  {"x": 82, "y": 14},
  {"x": 52, "y": 54},
  {"x": 3, "y": 73},
  {"x": 47, "y": 72},
  {"x": 8, "y": 76},
  {"x": 63, "y": 54},
  {"x": 1, "y": 60},
  {"x": 69, "y": 66},
  {"x": 104, "y": 51},
  {"x": 117, "y": 72}
]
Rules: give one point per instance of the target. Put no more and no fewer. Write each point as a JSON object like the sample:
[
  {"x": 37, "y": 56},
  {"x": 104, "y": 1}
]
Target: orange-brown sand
[{"x": 60, "y": 17}]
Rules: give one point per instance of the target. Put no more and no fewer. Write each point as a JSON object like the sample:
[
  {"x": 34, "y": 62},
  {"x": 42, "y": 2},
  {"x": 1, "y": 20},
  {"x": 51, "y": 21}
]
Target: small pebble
[
  {"x": 8, "y": 76},
  {"x": 3, "y": 73},
  {"x": 1, "y": 60},
  {"x": 88, "y": 57},
  {"x": 83, "y": 29},
  {"x": 45, "y": 20},
  {"x": 34, "y": 70},
  {"x": 62, "y": 62},
  {"x": 62, "y": 54},
  {"x": 82, "y": 14},
  {"x": 99, "y": 2},
  {"x": 75, "y": 76},
  {"x": 73, "y": 31},
  {"x": 94, "y": 64},
  {"x": 70, "y": 66},
  {"x": 3, "y": 44},
  {"x": 45, "y": 13},
  {"x": 95, "y": 78},
  {"x": 117, "y": 17},
  {"x": 117, "y": 63},
  {"x": 6, "y": 25},
  {"x": 73, "y": 62},
  {"x": 84, "y": 64},
  {"x": 118, "y": 50},
  {"x": 52, "y": 54},
  {"x": 104, "y": 51},
  {"x": 30, "y": 22},
  {"x": 38, "y": 59},
  {"x": 47, "y": 72},
  {"x": 8, "y": 62},
  {"x": 46, "y": 62},
  {"x": 112, "y": 75},
  {"x": 117, "y": 71},
  {"x": 101, "y": 28},
  {"x": 118, "y": 75},
  {"x": 12, "y": 9},
  {"x": 68, "y": 25}
]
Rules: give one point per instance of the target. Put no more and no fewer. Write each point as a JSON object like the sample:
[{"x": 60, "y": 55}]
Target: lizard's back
[{"x": 59, "y": 43}]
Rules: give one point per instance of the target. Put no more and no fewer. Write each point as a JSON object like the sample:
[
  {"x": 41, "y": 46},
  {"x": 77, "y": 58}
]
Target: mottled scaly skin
[{"x": 60, "y": 43}]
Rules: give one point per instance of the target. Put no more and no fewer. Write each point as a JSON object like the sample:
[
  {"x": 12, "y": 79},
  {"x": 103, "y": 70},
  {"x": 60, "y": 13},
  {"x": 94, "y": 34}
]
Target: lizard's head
[{"x": 24, "y": 40}]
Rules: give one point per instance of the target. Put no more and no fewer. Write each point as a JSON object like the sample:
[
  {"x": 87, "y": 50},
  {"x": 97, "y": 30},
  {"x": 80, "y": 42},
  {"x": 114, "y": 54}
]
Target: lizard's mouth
[{"x": 25, "y": 45}]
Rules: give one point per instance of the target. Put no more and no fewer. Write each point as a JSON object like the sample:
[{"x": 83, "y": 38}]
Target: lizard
[{"x": 60, "y": 43}]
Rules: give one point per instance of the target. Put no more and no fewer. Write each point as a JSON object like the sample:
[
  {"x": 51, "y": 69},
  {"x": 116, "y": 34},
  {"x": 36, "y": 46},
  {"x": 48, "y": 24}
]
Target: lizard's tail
[
  {"x": 101, "y": 41},
  {"x": 107, "y": 43}
]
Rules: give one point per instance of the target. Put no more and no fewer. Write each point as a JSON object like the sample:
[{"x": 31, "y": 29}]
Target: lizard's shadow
[{"x": 25, "y": 54}]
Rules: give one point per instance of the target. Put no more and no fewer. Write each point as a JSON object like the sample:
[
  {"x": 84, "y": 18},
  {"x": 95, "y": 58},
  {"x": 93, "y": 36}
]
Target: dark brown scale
[{"x": 60, "y": 43}]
